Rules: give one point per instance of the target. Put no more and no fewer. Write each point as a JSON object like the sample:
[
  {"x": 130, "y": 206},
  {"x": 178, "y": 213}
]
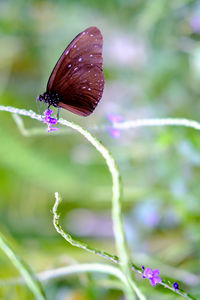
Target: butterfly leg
[{"x": 58, "y": 113}]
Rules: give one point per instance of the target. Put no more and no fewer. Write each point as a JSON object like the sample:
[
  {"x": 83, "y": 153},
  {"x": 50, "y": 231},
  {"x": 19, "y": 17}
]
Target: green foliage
[{"x": 160, "y": 171}]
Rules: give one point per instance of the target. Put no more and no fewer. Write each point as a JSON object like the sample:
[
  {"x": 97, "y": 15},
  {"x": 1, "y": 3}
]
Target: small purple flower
[
  {"x": 49, "y": 121},
  {"x": 152, "y": 276},
  {"x": 175, "y": 285},
  {"x": 114, "y": 132}
]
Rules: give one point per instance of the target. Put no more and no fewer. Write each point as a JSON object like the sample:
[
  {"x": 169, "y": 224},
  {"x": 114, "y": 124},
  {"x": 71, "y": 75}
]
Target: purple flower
[
  {"x": 175, "y": 285},
  {"x": 152, "y": 276},
  {"x": 114, "y": 132},
  {"x": 49, "y": 121}
]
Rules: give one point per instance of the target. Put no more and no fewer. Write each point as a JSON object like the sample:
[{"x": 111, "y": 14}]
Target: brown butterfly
[{"x": 77, "y": 81}]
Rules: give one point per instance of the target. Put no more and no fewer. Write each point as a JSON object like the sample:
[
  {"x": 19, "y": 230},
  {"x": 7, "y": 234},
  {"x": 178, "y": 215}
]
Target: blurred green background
[{"x": 152, "y": 69}]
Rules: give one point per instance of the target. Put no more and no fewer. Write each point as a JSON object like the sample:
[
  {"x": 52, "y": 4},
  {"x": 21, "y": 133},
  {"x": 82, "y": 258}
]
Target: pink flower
[{"x": 152, "y": 276}]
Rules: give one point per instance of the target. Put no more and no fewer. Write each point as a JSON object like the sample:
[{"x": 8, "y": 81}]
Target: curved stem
[
  {"x": 157, "y": 122},
  {"x": 116, "y": 189},
  {"x": 111, "y": 164},
  {"x": 30, "y": 279},
  {"x": 80, "y": 268},
  {"x": 62, "y": 272}
]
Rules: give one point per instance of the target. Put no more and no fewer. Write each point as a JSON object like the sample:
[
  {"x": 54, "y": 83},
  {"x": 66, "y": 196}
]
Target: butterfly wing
[{"x": 77, "y": 77}]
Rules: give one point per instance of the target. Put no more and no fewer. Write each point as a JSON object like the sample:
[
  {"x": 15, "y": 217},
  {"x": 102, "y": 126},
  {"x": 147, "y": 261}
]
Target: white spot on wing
[
  {"x": 69, "y": 66},
  {"x": 91, "y": 55},
  {"x": 66, "y": 52},
  {"x": 89, "y": 89},
  {"x": 91, "y": 34},
  {"x": 75, "y": 46},
  {"x": 75, "y": 68},
  {"x": 80, "y": 59}
]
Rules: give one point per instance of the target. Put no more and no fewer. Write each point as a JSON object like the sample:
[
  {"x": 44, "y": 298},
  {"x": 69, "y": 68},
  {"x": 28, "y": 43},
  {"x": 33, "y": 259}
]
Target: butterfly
[{"x": 77, "y": 81}]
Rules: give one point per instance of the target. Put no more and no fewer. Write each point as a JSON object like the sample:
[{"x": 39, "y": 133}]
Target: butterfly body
[
  {"x": 50, "y": 98},
  {"x": 77, "y": 81}
]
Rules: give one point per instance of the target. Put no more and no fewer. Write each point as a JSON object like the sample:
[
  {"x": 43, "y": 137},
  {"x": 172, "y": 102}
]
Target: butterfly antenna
[{"x": 58, "y": 113}]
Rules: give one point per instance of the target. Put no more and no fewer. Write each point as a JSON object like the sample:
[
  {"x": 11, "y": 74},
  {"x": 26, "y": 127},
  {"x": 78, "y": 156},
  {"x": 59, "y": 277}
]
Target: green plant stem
[
  {"x": 124, "y": 126},
  {"x": 67, "y": 270},
  {"x": 80, "y": 268},
  {"x": 116, "y": 202},
  {"x": 84, "y": 246},
  {"x": 30, "y": 279},
  {"x": 63, "y": 272}
]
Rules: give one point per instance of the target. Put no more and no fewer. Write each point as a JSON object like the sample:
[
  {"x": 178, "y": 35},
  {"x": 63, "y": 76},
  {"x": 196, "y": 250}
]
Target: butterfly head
[{"x": 50, "y": 98}]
